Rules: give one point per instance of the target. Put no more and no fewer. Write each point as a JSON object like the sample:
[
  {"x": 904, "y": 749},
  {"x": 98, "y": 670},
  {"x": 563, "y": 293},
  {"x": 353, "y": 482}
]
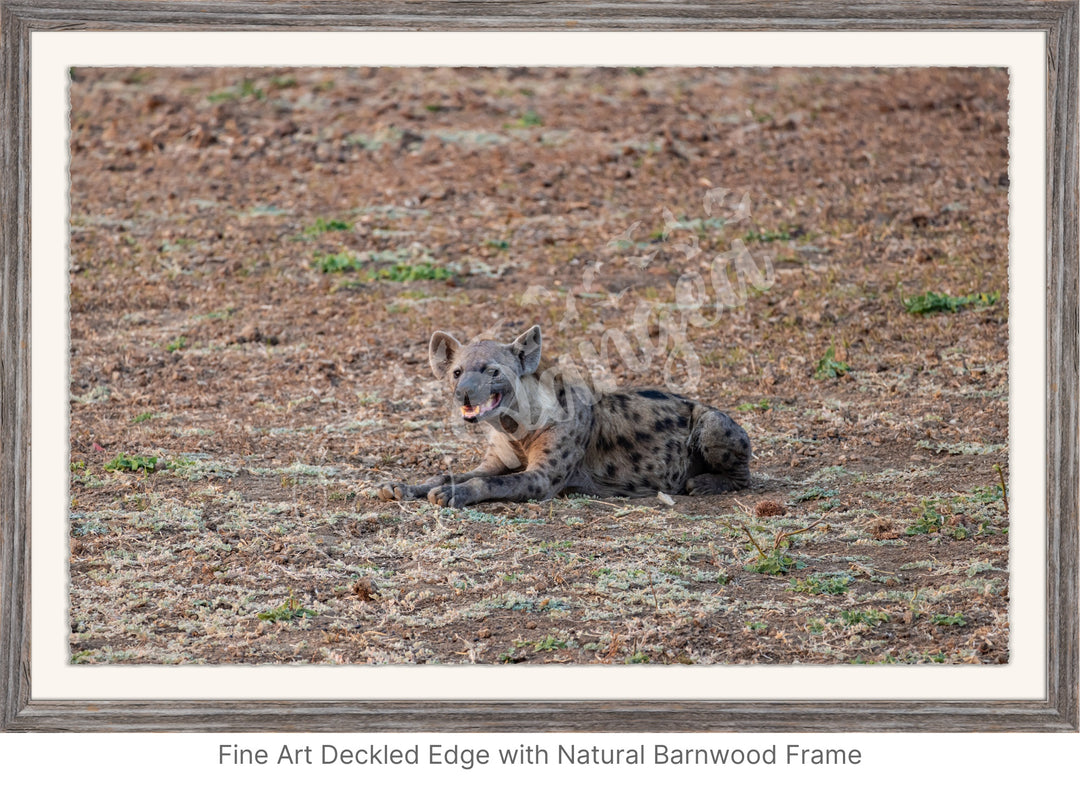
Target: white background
[
  {"x": 887, "y": 760},
  {"x": 54, "y": 678}
]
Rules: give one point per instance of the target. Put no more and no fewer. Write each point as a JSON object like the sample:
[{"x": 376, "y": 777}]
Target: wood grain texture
[
  {"x": 1059, "y": 711},
  {"x": 14, "y": 373},
  {"x": 1063, "y": 373},
  {"x": 544, "y": 15}
]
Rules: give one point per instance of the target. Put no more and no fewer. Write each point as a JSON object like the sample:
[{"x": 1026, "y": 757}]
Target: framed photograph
[{"x": 655, "y": 368}]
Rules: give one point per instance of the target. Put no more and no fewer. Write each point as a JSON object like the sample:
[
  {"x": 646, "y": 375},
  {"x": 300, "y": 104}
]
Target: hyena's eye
[
  {"x": 494, "y": 372},
  {"x": 457, "y": 373}
]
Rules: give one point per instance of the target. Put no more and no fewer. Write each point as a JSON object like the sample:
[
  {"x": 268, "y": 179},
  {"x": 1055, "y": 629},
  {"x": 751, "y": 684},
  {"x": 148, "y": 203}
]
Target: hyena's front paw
[
  {"x": 397, "y": 492},
  {"x": 451, "y": 495}
]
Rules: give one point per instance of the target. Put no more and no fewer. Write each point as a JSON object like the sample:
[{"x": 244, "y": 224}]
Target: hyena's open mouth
[{"x": 473, "y": 412}]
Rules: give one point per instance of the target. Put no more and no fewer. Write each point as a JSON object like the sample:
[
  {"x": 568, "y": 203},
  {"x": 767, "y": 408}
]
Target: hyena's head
[{"x": 484, "y": 375}]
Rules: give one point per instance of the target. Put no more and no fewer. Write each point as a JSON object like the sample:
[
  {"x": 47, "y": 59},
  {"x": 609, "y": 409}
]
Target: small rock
[
  {"x": 883, "y": 531},
  {"x": 250, "y": 334},
  {"x": 254, "y": 334},
  {"x": 769, "y": 508},
  {"x": 365, "y": 589}
]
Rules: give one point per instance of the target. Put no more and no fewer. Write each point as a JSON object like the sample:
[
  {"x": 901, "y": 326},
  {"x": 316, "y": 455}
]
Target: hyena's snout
[{"x": 475, "y": 396}]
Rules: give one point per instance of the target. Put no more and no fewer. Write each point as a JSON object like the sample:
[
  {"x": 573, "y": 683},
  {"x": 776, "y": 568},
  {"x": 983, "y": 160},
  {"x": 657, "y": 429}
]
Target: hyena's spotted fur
[{"x": 550, "y": 434}]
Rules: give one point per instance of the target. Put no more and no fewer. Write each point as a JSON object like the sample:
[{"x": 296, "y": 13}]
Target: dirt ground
[{"x": 259, "y": 257}]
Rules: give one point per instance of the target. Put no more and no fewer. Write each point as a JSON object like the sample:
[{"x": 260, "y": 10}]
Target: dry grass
[{"x": 206, "y": 333}]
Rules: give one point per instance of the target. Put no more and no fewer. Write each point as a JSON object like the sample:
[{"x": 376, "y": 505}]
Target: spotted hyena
[{"x": 551, "y": 433}]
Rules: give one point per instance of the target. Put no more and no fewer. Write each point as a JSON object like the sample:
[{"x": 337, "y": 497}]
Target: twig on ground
[
  {"x": 753, "y": 541},
  {"x": 782, "y": 535},
  {"x": 1004, "y": 493}
]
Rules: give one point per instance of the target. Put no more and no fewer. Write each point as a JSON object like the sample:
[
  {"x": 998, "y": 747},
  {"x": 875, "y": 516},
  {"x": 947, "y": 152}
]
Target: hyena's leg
[
  {"x": 551, "y": 462},
  {"x": 719, "y": 453},
  {"x": 491, "y": 466}
]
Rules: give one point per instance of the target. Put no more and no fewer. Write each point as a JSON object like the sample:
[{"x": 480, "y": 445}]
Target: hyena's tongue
[{"x": 475, "y": 411}]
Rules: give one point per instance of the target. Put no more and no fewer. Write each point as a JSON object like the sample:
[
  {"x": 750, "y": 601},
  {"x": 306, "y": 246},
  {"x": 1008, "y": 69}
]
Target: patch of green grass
[
  {"x": 512, "y": 656},
  {"x": 501, "y": 245},
  {"x": 865, "y": 660},
  {"x": 399, "y": 271},
  {"x": 949, "y": 620},
  {"x": 930, "y": 302},
  {"x": 933, "y": 514},
  {"x": 928, "y": 519},
  {"x": 529, "y": 119},
  {"x": 289, "y": 610},
  {"x": 983, "y": 495},
  {"x": 143, "y": 418},
  {"x": 338, "y": 263},
  {"x": 321, "y": 225},
  {"x": 868, "y": 617},
  {"x": 638, "y": 658},
  {"x": 815, "y": 493},
  {"x": 177, "y": 344},
  {"x": 747, "y": 407},
  {"x": 347, "y": 285},
  {"x": 133, "y": 464},
  {"x": 245, "y": 89},
  {"x": 775, "y": 563},
  {"x": 555, "y": 546},
  {"x": 421, "y": 271},
  {"x": 833, "y": 584},
  {"x": 548, "y": 643},
  {"x": 829, "y": 368}
]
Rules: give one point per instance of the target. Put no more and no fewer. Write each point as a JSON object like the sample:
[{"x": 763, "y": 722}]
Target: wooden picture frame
[{"x": 1057, "y": 711}]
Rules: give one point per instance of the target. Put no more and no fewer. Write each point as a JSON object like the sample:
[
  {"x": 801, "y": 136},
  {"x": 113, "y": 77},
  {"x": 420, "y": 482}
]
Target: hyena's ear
[
  {"x": 441, "y": 352},
  {"x": 527, "y": 349}
]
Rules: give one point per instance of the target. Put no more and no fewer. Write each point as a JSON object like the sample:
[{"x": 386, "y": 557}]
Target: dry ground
[{"x": 258, "y": 258}]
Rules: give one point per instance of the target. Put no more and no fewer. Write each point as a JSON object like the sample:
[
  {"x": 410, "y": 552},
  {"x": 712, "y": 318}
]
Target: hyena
[{"x": 550, "y": 432}]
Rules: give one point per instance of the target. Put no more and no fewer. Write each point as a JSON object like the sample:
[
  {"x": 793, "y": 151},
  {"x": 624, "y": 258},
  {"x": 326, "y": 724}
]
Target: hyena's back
[{"x": 646, "y": 440}]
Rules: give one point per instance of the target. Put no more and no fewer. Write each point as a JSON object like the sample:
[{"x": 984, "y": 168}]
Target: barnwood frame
[{"x": 1058, "y": 711}]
